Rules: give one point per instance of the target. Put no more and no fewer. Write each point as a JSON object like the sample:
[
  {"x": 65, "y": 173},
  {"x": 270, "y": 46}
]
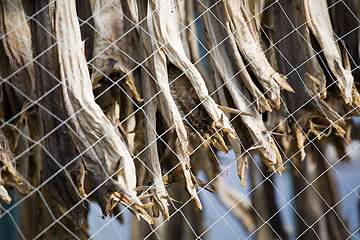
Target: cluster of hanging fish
[{"x": 117, "y": 100}]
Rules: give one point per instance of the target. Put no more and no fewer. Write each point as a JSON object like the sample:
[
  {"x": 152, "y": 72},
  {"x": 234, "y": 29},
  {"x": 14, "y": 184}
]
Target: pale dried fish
[
  {"x": 134, "y": 11},
  {"x": 18, "y": 57},
  {"x": 152, "y": 157},
  {"x": 252, "y": 119},
  {"x": 191, "y": 109},
  {"x": 90, "y": 121},
  {"x": 8, "y": 173},
  {"x": 166, "y": 105},
  {"x": 167, "y": 33},
  {"x": 318, "y": 20},
  {"x": 249, "y": 45},
  {"x": 16, "y": 38},
  {"x": 260, "y": 99},
  {"x": 308, "y": 81},
  {"x": 111, "y": 60},
  {"x": 4, "y": 196}
]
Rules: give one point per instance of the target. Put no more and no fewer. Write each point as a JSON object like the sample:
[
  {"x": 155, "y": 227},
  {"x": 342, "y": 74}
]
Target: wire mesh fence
[{"x": 179, "y": 119}]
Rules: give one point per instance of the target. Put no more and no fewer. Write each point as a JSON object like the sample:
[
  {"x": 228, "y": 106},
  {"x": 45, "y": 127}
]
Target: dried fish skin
[
  {"x": 108, "y": 152},
  {"x": 167, "y": 33},
  {"x": 318, "y": 20},
  {"x": 133, "y": 9},
  {"x": 152, "y": 157},
  {"x": 301, "y": 80},
  {"x": 315, "y": 79},
  {"x": 110, "y": 57},
  {"x": 167, "y": 107},
  {"x": 17, "y": 56},
  {"x": 261, "y": 101},
  {"x": 4, "y": 196},
  {"x": 17, "y": 44},
  {"x": 249, "y": 45},
  {"x": 57, "y": 146},
  {"x": 89, "y": 120},
  {"x": 309, "y": 104},
  {"x": 8, "y": 173},
  {"x": 253, "y": 121},
  {"x": 191, "y": 109}
]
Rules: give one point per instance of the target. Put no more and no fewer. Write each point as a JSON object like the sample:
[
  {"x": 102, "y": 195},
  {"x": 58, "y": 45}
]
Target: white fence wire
[{"x": 168, "y": 108}]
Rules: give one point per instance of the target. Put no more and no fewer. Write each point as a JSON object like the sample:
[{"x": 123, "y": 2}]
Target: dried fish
[
  {"x": 17, "y": 57},
  {"x": 318, "y": 20},
  {"x": 8, "y": 173},
  {"x": 110, "y": 58},
  {"x": 164, "y": 21},
  {"x": 109, "y": 152},
  {"x": 248, "y": 43},
  {"x": 152, "y": 157},
  {"x": 240, "y": 96},
  {"x": 81, "y": 128},
  {"x": 166, "y": 104},
  {"x": 191, "y": 109},
  {"x": 16, "y": 39},
  {"x": 308, "y": 103},
  {"x": 106, "y": 159}
]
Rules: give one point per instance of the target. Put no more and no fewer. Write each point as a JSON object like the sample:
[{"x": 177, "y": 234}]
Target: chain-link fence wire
[{"x": 179, "y": 119}]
